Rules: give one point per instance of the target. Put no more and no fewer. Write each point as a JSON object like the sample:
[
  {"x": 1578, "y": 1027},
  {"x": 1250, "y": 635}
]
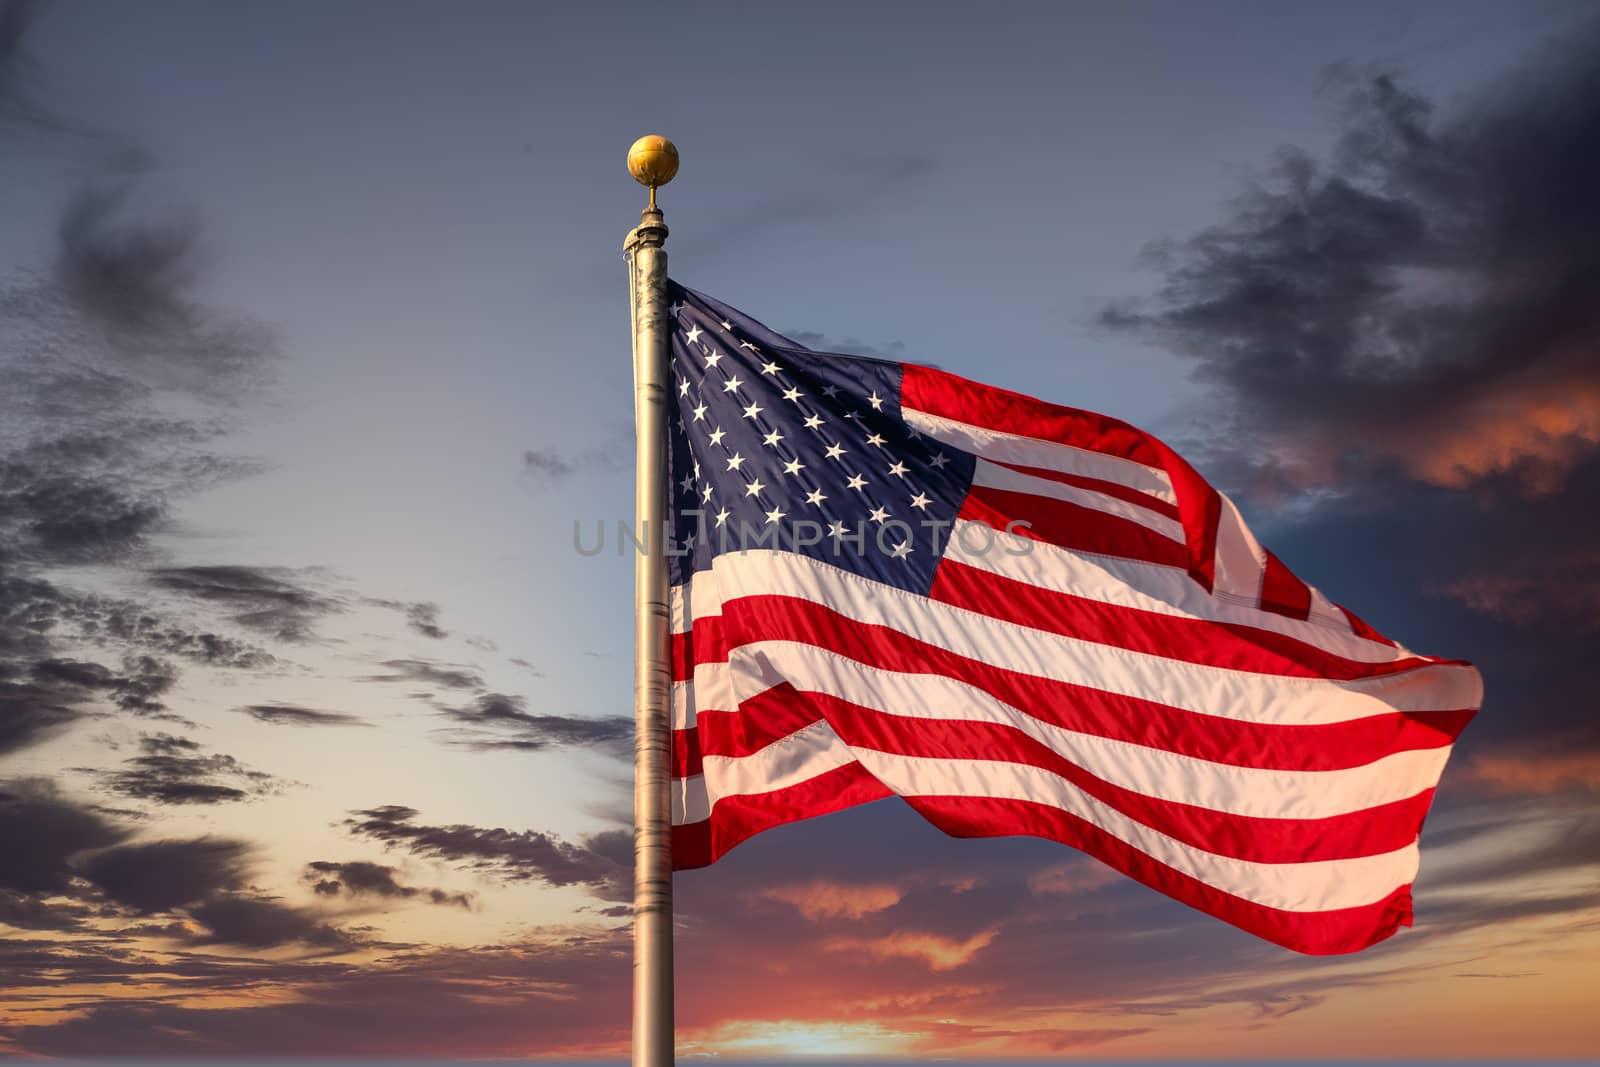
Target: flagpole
[{"x": 652, "y": 161}]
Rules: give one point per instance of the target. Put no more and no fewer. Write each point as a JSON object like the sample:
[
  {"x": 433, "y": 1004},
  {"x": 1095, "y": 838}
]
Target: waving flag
[{"x": 1023, "y": 619}]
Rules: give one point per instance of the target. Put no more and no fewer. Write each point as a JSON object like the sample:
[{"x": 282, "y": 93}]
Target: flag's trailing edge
[{"x": 1023, "y": 618}]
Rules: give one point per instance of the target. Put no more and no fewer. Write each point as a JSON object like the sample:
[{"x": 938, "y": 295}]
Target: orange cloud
[
  {"x": 1537, "y": 774},
  {"x": 819, "y": 900},
  {"x": 1552, "y": 425},
  {"x": 938, "y": 952}
]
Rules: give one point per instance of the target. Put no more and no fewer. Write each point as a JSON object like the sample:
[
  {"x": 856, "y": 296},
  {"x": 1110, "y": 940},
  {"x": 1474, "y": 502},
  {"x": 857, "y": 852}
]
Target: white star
[
  {"x": 876, "y": 401},
  {"x": 815, "y": 497},
  {"x": 834, "y": 451},
  {"x": 856, "y": 481},
  {"x": 912, "y": 434},
  {"x": 683, "y": 388},
  {"x": 711, "y": 359},
  {"x": 774, "y": 515},
  {"x": 726, "y": 325},
  {"x": 898, "y": 470},
  {"x": 674, "y": 309},
  {"x": 694, "y": 334},
  {"x": 687, "y": 483},
  {"x": 901, "y": 551},
  {"x": 734, "y": 461},
  {"x": 792, "y": 393},
  {"x": 754, "y": 487},
  {"x": 878, "y": 515},
  {"x": 830, "y": 390},
  {"x": 794, "y": 466},
  {"x": 920, "y": 502},
  {"x": 697, "y": 468},
  {"x": 717, "y": 435},
  {"x": 750, "y": 346},
  {"x": 699, "y": 412},
  {"x": 731, "y": 384},
  {"x": 770, "y": 367},
  {"x": 772, "y": 439},
  {"x": 753, "y": 410},
  {"x": 852, "y": 414},
  {"x": 706, "y": 493},
  {"x": 876, "y": 439},
  {"x": 813, "y": 422},
  {"x": 939, "y": 459},
  {"x": 722, "y": 516},
  {"x": 688, "y": 542},
  {"x": 836, "y": 529}
]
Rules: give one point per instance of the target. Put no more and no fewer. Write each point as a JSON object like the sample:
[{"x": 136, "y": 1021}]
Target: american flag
[{"x": 1023, "y": 618}]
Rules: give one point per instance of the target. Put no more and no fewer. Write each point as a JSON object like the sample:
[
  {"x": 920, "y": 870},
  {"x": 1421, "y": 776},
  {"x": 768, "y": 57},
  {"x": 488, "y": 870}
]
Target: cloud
[
  {"x": 1417, "y": 304},
  {"x": 940, "y": 953},
  {"x": 1073, "y": 876},
  {"x": 158, "y": 876},
  {"x": 421, "y": 616},
  {"x": 293, "y": 715},
  {"x": 262, "y": 922},
  {"x": 821, "y": 900},
  {"x": 360, "y": 878},
  {"x": 603, "y": 862},
  {"x": 263, "y": 599},
  {"x": 1525, "y": 772},
  {"x": 171, "y": 770},
  {"x": 446, "y": 676},
  {"x": 543, "y": 467},
  {"x": 821, "y": 342},
  {"x": 43, "y": 831},
  {"x": 498, "y": 721}
]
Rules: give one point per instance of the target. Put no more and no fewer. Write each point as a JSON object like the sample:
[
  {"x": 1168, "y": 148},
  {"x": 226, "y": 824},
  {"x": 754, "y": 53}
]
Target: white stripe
[
  {"x": 995, "y": 476},
  {"x": 1152, "y": 772},
  {"x": 1208, "y": 690},
  {"x": 1035, "y": 452},
  {"x": 1148, "y": 587},
  {"x": 1323, "y": 885},
  {"x": 802, "y": 755},
  {"x": 1241, "y": 561}
]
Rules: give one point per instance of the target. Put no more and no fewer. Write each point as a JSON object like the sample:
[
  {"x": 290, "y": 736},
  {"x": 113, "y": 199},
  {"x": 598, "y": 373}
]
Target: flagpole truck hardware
[{"x": 652, "y": 161}]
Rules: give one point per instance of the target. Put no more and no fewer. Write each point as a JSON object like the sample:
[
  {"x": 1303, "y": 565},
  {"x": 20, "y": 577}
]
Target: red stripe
[
  {"x": 758, "y": 722},
  {"x": 737, "y": 818},
  {"x": 1199, "y": 505},
  {"x": 1315, "y": 933},
  {"x": 1361, "y": 629},
  {"x": 1321, "y": 747},
  {"x": 1097, "y": 485},
  {"x": 1215, "y": 644},
  {"x": 1369, "y": 832},
  {"x": 948, "y": 396},
  {"x": 1282, "y": 592},
  {"x": 1073, "y": 526}
]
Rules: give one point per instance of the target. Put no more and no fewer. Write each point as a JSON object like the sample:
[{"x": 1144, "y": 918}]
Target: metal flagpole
[{"x": 652, "y": 161}]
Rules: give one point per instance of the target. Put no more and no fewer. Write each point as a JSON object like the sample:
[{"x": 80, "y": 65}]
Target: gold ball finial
[{"x": 652, "y": 161}]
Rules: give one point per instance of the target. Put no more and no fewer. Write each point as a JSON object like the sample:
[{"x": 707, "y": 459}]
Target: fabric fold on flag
[{"x": 1023, "y": 618}]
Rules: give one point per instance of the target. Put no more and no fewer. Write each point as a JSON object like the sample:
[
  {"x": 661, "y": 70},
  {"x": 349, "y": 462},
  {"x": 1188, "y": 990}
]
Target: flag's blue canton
[{"x": 772, "y": 445}]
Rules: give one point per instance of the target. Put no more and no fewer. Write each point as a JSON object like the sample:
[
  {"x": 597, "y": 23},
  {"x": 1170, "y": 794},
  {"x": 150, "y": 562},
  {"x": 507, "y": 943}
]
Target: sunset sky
[{"x": 315, "y": 725}]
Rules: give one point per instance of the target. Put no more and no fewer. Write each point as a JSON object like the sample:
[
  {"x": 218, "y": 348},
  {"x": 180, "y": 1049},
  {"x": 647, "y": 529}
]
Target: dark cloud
[
  {"x": 421, "y": 616},
  {"x": 1416, "y": 306},
  {"x": 263, "y": 922},
  {"x": 603, "y": 862},
  {"x": 360, "y": 878},
  {"x": 292, "y": 715},
  {"x": 172, "y": 770},
  {"x": 498, "y": 721},
  {"x": 542, "y": 467},
  {"x": 443, "y": 675},
  {"x": 263, "y": 599},
  {"x": 158, "y": 876},
  {"x": 43, "y": 831},
  {"x": 135, "y": 688}
]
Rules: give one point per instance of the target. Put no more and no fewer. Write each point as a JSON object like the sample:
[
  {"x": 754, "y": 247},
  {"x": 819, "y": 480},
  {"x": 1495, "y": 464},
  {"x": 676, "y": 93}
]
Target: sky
[{"x": 314, "y": 723}]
